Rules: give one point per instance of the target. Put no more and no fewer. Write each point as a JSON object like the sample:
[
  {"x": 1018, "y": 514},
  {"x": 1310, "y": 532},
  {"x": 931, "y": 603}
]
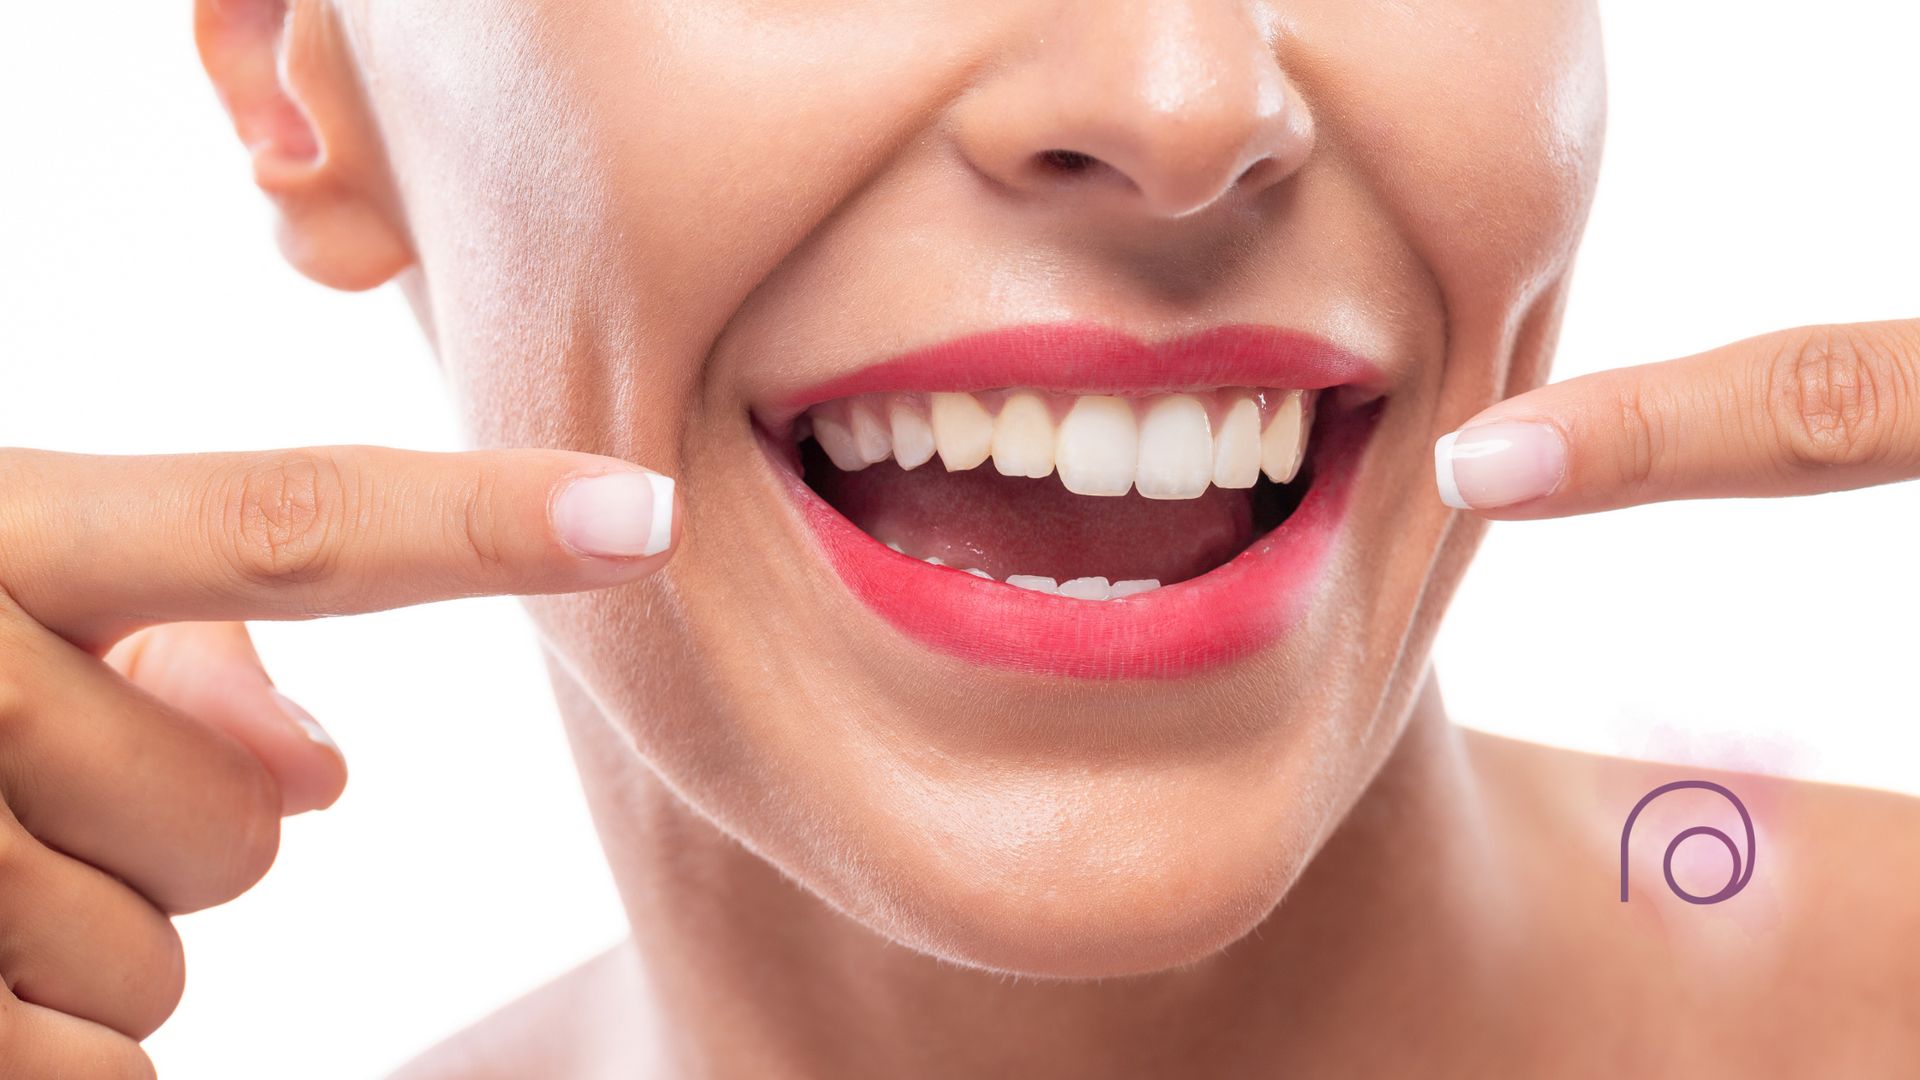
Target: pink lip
[
  {"x": 1178, "y": 630},
  {"x": 1087, "y": 359}
]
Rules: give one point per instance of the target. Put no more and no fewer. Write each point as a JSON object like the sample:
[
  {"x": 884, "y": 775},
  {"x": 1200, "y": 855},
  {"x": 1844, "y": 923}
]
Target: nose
[{"x": 1173, "y": 103}]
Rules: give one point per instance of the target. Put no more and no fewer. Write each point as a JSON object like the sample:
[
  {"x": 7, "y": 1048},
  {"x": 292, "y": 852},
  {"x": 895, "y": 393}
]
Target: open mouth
[
  {"x": 1091, "y": 497},
  {"x": 1112, "y": 531}
]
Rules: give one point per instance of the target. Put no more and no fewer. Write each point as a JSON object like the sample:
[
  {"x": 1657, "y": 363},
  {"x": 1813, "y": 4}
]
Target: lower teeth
[{"x": 1086, "y": 588}]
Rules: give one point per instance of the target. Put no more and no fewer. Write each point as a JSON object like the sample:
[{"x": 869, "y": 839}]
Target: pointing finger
[
  {"x": 1793, "y": 413},
  {"x": 94, "y": 548}
]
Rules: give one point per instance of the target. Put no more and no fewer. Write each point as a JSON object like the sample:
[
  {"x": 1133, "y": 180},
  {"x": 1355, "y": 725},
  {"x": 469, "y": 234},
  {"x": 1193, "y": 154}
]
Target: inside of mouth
[{"x": 1033, "y": 531}]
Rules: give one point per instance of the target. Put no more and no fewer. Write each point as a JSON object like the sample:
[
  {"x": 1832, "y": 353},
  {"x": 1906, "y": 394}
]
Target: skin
[{"x": 629, "y": 227}]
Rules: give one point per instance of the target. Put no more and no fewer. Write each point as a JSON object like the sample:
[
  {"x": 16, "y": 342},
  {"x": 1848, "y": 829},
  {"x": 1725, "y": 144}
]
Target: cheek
[{"x": 1480, "y": 122}]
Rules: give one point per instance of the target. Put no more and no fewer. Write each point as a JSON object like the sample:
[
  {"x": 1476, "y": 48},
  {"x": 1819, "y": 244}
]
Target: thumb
[
  {"x": 1822, "y": 408},
  {"x": 211, "y": 672}
]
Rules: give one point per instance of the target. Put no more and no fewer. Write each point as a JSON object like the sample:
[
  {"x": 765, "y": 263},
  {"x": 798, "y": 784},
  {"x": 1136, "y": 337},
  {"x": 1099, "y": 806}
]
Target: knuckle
[
  {"x": 1644, "y": 466},
  {"x": 285, "y": 516},
  {"x": 1830, "y": 397},
  {"x": 477, "y": 528}
]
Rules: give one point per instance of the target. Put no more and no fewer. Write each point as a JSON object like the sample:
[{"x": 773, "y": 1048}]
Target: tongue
[{"x": 1014, "y": 525}]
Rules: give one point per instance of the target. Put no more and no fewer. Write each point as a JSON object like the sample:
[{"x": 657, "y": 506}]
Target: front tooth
[
  {"x": 1176, "y": 449},
  {"x": 912, "y": 437},
  {"x": 1284, "y": 444},
  {"x": 870, "y": 437},
  {"x": 1098, "y": 447},
  {"x": 962, "y": 431},
  {"x": 1037, "y": 584},
  {"x": 1132, "y": 588},
  {"x": 839, "y": 444},
  {"x": 1236, "y": 448},
  {"x": 1023, "y": 437},
  {"x": 1086, "y": 588}
]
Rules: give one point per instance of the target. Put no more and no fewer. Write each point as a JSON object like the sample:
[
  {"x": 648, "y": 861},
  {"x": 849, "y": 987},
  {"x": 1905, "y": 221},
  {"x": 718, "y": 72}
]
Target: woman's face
[{"x": 688, "y": 232}]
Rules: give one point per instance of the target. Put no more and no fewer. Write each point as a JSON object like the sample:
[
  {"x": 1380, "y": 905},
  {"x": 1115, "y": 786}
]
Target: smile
[{"x": 1068, "y": 501}]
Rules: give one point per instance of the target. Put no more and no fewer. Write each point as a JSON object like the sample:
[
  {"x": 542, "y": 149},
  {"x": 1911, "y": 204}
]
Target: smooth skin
[{"x": 610, "y": 216}]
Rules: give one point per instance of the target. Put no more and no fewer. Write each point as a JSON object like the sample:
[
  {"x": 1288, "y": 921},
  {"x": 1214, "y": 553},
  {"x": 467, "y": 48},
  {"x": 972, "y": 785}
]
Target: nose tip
[{"x": 1179, "y": 105}]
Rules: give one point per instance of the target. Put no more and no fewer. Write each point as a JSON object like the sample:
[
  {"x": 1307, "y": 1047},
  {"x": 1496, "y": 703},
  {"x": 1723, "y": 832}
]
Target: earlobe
[{"x": 288, "y": 77}]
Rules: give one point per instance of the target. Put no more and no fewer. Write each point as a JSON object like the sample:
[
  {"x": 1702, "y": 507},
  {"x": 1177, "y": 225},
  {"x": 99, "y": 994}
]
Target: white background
[{"x": 1761, "y": 173}]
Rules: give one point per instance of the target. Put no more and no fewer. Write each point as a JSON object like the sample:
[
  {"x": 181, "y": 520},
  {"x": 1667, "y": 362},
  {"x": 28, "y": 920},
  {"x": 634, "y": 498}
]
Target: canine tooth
[
  {"x": 1284, "y": 444},
  {"x": 1098, "y": 447},
  {"x": 1086, "y": 588},
  {"x": 1023, "y": 437},
  {"x": 1132, "y": 588},
  {"x": 1176, "y": 449},
  {"x": 870, "y": 436},
  {"x": 912, "y": 437},
  {"x": 1037, "y": 584},
  {"x": 839, "y": 444},
  {"x": 1236, "y": 446},
  {"x": 962, "y": 431}
]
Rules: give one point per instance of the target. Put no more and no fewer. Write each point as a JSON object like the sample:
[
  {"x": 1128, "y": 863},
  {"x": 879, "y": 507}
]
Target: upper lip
[{"x": 1084, "y": 358}]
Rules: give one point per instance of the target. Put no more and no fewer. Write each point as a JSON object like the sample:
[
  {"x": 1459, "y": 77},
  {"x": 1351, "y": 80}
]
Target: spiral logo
[{"x": 1739, "y": 878}]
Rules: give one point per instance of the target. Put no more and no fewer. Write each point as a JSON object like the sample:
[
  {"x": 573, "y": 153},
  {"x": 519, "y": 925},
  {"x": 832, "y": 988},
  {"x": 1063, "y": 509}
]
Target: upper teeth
[{"x": 1166, "y": 447}]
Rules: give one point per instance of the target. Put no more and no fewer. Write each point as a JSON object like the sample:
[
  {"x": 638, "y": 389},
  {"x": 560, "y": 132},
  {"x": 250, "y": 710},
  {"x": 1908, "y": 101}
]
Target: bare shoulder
[
  {"x": 586, "y": 1025},
  {"x": 1824, "y": 943}
]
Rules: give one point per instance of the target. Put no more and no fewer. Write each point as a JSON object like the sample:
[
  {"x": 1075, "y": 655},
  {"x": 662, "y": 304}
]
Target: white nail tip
[
  {"x": 962, "y": 430},
  {"x": 1176, "y": 449},
  {"x": 1098, "y": 447},
  {"x": 1443, "y": 472},
  {"x": 618, "y": 515},
  {"x": 660, "y": 529}
]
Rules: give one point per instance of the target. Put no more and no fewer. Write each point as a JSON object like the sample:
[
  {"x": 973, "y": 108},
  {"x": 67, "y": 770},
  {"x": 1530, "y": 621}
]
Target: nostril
[{"x": 1066, "y": 161}]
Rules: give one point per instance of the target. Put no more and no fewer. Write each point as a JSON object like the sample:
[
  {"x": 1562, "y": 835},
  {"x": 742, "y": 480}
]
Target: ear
[{"x": 286, "y": 72}]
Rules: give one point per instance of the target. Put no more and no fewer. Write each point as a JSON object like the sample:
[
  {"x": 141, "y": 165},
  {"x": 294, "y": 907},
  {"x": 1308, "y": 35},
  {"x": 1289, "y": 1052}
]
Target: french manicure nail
[
  {"x": 1494, "y": 465},
  {"x": 619, "y": 515},
  {"x": 304, "y": 719}
]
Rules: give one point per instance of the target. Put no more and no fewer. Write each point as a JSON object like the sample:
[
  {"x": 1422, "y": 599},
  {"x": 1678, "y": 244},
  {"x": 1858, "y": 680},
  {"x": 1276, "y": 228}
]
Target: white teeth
[
  {"x": 1236, "y": 448},
  {"x": 1037, "y": 584},
  {"x": 1284, "y": 444},
  {"x": 1023, "y": 437},
  {"x": 1098, "y": 447},
  {"x": 962, "y": 431},
  {"x": 1087, "y": 588},
  {"x": 1132, "y": 588},
  {"x": 870, "y": 436},
  {"x": 1167, "y": 447},
  {"x": 912, "y": 436},
  {"x": 1176, "y": 449},
  {"x": 839, "y": 444}
]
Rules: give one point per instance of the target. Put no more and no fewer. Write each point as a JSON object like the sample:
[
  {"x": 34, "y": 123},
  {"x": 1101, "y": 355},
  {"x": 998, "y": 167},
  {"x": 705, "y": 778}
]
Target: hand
[
  {"x": 1821, "y": 408},
  {"x": 153, "y": 785}
]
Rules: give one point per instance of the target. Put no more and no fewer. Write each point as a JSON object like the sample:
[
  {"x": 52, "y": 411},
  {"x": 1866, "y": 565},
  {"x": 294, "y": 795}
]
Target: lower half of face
[{"x": 1051, "y": 390}]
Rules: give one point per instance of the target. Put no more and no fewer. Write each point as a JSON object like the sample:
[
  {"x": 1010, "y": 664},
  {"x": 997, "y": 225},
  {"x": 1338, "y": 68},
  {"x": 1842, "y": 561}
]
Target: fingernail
[
  {"x": 1493, "y": 465},
  {"x": 618, "y": 515},
  {"x": 305, "y": 719}
]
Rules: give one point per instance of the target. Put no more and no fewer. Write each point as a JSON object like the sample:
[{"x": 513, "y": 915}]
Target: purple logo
[{"x": 1735, "y": 883}]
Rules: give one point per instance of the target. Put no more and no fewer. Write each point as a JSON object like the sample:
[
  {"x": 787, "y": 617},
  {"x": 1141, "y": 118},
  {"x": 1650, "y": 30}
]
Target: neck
[{"x": 1386, "y": 954}]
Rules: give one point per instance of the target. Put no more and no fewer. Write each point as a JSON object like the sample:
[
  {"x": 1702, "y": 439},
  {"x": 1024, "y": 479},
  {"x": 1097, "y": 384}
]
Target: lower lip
[{"x": 1175, "y": 631}]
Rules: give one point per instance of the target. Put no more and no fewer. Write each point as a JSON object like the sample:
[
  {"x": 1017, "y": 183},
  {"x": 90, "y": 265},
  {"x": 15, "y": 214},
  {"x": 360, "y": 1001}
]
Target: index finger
[
  {"x": 1798, "y": 412},
  {"x": 95, "y": 547}
]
